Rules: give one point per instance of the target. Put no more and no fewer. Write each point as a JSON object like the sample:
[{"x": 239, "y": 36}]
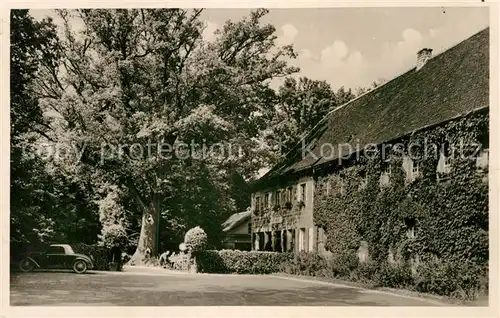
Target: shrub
[
  {"x": 240, "y": 262},
  {"x": 365, "y": 272},
  {"x": 343, "y": 265},
  {"x": 180, "y": 261},
  {"x": 303, "y": 263},
  {"x": 394, "y": 275},
  {"x": 459, "y": 279},
  {"x": 100, "y": 254},
  {"x": 195, "y": 239}
]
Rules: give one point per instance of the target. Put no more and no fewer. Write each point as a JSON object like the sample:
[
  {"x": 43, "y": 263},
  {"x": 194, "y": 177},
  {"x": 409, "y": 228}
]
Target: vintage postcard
[{"x": 185, "y": 160}]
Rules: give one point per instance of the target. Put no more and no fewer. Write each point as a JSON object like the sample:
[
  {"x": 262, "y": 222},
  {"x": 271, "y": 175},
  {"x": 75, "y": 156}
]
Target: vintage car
[{"x": 60, "y": 256}]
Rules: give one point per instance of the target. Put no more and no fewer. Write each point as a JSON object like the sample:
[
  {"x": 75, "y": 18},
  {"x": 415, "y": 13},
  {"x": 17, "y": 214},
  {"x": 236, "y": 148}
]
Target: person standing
[{"x": 116, "y": 257}]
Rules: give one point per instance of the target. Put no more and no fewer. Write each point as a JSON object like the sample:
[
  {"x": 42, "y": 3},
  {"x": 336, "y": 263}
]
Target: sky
[{"x": 352, "y": 47}]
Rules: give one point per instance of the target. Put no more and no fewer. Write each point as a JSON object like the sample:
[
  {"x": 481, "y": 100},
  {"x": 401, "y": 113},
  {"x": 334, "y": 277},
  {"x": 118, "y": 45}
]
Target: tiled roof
[
  {"x": 449, "y": 85},
  {"x": 235, "y": 220}
]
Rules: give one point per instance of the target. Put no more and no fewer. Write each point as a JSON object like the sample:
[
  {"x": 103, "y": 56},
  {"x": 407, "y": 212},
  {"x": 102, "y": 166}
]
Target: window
[
  {"x": 302, "y": 193},
  {"x": 447, "y": 165},
  {"x": 415, "y": 170},
  {"x": 267, "y": 202},
  {"x": 444, "y": 163},
  {"x": 289, "y": 195},
  {"x": 56, "y": 250},
  {"x": 277, "y": 197},
  {"x": 283, "y": 197},
  {"x": 364, "y": 179},
  {"x": 257, "y": 203},
  {"x": 250, "y": 228},
  {"x": 385, "y": 176},
  {"x": 410, "y": 224}
]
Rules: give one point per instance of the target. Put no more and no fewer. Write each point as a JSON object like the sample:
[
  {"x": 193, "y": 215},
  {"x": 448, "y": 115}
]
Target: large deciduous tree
[
  {"x": 160, "y": 115},
  {"x": 44, "y": 204},
  {"x": 301, "y": 104}
]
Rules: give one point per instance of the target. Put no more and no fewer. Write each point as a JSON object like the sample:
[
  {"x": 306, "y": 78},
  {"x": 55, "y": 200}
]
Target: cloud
[
  {"x": 306, "y": 54},
  {"x": 334, "y": 53},
  {"x": 289, "y": 33},
  {"x": 209, "y": 31},
  {"x": 336, "y": 63},
  {"x": 435, "y": 32},
  {"x": 342, "y": 65}
]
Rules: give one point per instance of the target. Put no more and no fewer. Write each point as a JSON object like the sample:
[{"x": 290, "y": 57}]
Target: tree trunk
[{"x": 147, "y": 244}]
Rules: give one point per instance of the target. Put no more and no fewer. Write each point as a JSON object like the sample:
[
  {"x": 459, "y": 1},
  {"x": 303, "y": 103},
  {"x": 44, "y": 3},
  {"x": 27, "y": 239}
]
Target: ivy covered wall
[{"x": 434, "y": 217}]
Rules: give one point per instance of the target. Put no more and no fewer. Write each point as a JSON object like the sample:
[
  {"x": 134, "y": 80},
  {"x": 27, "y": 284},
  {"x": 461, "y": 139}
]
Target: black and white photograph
[{"x": 332, "y": 157}]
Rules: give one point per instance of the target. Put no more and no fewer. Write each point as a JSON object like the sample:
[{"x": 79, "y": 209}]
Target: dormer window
[
  {"x": 385, "y": 174},
  {"x": 410, "y": 224},
  {"x": 415, "y": 170}
]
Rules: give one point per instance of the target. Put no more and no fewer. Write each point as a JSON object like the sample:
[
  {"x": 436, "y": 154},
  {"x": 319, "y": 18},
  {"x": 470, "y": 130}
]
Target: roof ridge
[{"x": 327, "y": 115}]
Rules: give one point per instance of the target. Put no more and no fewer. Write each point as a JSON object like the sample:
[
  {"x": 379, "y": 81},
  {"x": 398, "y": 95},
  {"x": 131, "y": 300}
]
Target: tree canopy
[{"x": 148, "y": 129}]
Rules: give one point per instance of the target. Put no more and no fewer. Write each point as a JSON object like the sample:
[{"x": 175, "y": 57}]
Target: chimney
[{"x": 422, "y": 57}]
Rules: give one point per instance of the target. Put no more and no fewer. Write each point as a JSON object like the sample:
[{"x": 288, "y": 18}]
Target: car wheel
[
  {"x": 26, "y": 265},
  {"x": 80, "y": 267}
]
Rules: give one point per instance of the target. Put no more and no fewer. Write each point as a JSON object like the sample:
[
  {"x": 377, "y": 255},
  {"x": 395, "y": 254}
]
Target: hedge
[
  {"x": 240, "y": 262},
  {"x": 457, "y": 278},
  {"x": 99, "y": 253}
]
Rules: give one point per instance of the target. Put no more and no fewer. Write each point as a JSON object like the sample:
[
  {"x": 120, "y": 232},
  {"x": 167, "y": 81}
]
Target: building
[
  {"x": 437, "y": 90},
  {"x": 237, "y": 231}
]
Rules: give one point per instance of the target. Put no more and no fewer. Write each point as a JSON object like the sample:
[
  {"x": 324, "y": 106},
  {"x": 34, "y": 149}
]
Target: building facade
[
  {"x": 437, "y": 93},
  {"x": 237, "y": 232}
]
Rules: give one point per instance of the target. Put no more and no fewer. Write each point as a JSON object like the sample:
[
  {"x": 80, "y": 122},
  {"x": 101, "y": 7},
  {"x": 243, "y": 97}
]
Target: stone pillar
[
  {"x": 256, "y": 241},
  {"x": 266, "y": 240},
  {"x": 306, "y": 239},
  {"x": 283, "y": 242},
  {"x": 297, "y": 241},
  {"x": 262, "y": 235},
  {"x": 288, "y": 240},
  {"x": 273, "y": 240}
]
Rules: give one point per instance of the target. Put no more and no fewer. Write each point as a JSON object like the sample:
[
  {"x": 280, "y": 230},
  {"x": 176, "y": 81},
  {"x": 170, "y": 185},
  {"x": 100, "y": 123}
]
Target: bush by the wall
[
  {"x": 241, "y": 262},
  {"x": 394, "y": 275},
  {"x": 303, "y": 263},
  {"x": 460, "y": 279},
  {"x": 99, "y": 253}
]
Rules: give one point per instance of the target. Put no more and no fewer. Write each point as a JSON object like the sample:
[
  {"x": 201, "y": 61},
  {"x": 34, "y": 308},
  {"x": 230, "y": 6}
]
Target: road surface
[{"x": 157, "y": 288}]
